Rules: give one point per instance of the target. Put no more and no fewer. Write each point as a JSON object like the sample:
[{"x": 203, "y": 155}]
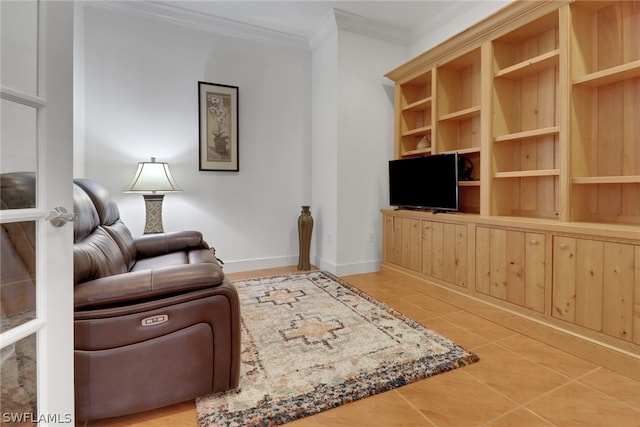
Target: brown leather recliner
[{"x": 155, "y": 322}]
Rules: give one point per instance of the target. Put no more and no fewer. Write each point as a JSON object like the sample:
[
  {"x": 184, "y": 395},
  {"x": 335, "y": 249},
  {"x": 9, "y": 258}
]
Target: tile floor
[{"x": 517, "y": 382}]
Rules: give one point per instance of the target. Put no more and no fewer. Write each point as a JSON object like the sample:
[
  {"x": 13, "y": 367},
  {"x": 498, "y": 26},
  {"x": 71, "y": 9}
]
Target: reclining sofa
[{"x": 155, "y": 320}]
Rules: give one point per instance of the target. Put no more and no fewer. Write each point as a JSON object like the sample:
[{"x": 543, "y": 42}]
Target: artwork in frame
[{"x": 218, "y": 120}]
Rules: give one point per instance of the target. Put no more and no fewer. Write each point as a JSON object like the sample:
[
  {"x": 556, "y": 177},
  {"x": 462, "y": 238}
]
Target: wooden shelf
[
  {"x": 531, "y": 66},
  {"x": 474, "y": 183},
  {"x": 529, "y": 134},
  {"x": 630, "y": 179},
  {"x": 472, "y": 150},
  {"x": 610, "y": 75},
  {"x": 530, "y": 173},
  {"x": 419, "y": 105},
  {"x": 417, "y": 152},
  {"x": 461, "y": 115},
  {"x": 419, "y": 131}
]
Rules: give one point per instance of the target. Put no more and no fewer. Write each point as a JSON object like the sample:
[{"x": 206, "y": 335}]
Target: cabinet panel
[
  {"x": 510, "y": 266},
  {"x": 387, "y": 238},
  {"x": 402, "y": 242},
  {"x": 595, "y": 285},
  {"x": 535, "y": 268},
  {"x": 410, "y": 243},
  {"x": 483, "y": 261},
  {"x": 589, "y": 283},
  {"x": 618, "y": 295},
  {"x": 398, "y": 238},
  {"x": 444, "y": 252},
  {"x": 564, "y": 279}
]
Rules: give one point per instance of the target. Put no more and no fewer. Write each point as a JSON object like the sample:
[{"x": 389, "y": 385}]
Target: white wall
[
  {"x": 141, "y": 78},
  {"x": 365, "y": 129},
  {"x": 352, "y": 136},
  {"x": 324, "y": 178},
  {"x": 316, "y": 127}
]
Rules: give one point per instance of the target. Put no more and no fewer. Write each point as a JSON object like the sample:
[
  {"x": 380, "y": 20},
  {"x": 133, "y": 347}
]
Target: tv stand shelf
[{"x": 542, "y": 98}]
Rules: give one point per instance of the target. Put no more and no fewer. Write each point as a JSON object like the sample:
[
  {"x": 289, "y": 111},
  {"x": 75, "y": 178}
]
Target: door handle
[{"x": 59, "y": 216}]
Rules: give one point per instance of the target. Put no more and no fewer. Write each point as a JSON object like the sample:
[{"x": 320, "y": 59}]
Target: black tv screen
[{"x": 429, "y": 183}]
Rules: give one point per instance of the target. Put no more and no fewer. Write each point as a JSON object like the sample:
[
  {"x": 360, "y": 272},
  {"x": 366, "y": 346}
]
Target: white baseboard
[
  {"x": 285, "y": 261},
  {"x": 259, "y": 263},
  {"x": 348, "y": 269}
]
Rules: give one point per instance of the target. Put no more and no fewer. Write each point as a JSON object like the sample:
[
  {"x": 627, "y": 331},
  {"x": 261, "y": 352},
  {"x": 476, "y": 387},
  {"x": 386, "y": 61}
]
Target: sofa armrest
[
  {"x": 150, "y": 245},
  {"x": 147, "y": 284}
]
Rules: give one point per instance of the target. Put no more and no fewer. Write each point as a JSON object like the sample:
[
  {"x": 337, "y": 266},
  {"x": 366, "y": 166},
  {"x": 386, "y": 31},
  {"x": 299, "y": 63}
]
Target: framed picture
[{"x": 218, "y": 122}]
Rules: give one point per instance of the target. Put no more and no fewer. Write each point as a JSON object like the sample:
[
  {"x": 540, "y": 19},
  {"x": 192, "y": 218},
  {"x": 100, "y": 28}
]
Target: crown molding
[
  {"x": 370, "y": 28},
  {"x": 336, "y": 19},
  {"x": 203, "y": 22},
  {"x": 327, "y": 27}
]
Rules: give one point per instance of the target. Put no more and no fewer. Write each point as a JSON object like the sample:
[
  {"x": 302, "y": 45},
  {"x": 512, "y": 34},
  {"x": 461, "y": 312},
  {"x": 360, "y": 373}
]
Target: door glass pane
[
  {"x": 18, "y": 155},
  {"x": 19, "y": 380},
  {"x": 19, "y": 45},
  {"x": 17, "y": 273}
]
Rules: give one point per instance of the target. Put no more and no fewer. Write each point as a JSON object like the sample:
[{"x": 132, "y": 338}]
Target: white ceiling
[{"x": 403, "y": 21}]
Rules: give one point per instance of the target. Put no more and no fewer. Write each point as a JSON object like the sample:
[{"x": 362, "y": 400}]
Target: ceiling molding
[
  {"x": 204, "y": 22},
  {"x": 338, "y": 19},
  {"x": 326, "y": 27},
  {"x": 368, "y": 27},
  {"x": 174, "y": 14}
]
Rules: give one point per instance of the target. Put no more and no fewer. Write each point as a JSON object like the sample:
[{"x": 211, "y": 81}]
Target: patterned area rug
[{"x": 311, "y": 342}]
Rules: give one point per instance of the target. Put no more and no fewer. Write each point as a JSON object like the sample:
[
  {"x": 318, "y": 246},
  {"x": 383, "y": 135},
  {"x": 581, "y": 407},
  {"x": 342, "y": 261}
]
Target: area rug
[{"x": 311, "y": 342}]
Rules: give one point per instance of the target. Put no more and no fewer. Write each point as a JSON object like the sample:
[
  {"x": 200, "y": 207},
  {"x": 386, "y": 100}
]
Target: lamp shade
[{"x": 152, "y": 177}]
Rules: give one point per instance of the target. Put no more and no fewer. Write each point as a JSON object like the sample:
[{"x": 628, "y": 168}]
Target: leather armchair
[{"x": 155, "y": 322}]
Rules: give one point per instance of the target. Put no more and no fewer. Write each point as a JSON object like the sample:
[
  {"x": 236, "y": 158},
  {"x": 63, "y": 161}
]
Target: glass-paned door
[{"x": 36, "y": 289}]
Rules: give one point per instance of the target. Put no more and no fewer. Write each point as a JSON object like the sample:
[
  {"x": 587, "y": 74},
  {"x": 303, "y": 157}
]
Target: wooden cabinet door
[
  {"x": 402, "y": 242},
  {"x": 444, "y": 252},
  {"x": 388, "y": 250},
  {"x": 510, "y": 266},
  {"x": 596, "y": 285},
  {"x": 410, "y": 243}
]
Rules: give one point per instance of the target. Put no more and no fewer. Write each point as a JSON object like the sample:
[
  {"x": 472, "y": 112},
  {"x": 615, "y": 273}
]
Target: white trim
[
  {"x": 370, "y": 28},
  {"x": 358, "y": 268},
  {"x": 23, "y": 98},
  {"x": 19, "y": 332},
  {"x": 200, "y": 21},
  {"x": 19, "y": 215},
  {"x": 259, "y": 263},
  {"x": 286, "y": 261},
  {"x": 348, "y": 269},
  {"x": 327, "y": 27},
  {"x": 335, "y": 19}
]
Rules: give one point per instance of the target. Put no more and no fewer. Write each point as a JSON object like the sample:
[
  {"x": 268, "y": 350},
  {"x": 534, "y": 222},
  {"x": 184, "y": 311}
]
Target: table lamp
[{"x": 152, "y": 179}]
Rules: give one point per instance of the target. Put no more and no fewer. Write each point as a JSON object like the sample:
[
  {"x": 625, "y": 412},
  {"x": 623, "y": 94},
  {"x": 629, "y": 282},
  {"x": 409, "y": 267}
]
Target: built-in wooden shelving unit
[{"x": 544, "y": 99}]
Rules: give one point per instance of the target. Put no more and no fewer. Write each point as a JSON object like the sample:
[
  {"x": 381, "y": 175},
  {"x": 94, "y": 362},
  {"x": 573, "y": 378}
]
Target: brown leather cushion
[
  {"x": 96, "y": 256},
  {"x": 121, "y": 234},
  {"x": 87, "y": 218},
  {"x": 105, "y": 206}
]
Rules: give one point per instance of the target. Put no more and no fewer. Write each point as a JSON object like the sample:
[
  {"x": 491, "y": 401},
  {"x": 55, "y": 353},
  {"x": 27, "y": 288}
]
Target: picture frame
[{"x": 218, "y": 127}]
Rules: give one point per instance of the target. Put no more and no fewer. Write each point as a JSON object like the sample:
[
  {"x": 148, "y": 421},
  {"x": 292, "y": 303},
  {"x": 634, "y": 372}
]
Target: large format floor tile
[{"x": 517, "y": 382}]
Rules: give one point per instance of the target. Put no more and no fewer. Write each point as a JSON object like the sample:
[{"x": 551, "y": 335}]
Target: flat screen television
[{"x": 427, "y": 183}]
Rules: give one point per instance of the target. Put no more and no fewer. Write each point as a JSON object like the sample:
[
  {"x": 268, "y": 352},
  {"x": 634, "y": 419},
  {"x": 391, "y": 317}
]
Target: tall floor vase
[{"x": 305, "y": 228}]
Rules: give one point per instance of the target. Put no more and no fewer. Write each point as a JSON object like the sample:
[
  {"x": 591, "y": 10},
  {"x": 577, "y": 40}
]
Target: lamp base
[{"x": 153, "y": 207}]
